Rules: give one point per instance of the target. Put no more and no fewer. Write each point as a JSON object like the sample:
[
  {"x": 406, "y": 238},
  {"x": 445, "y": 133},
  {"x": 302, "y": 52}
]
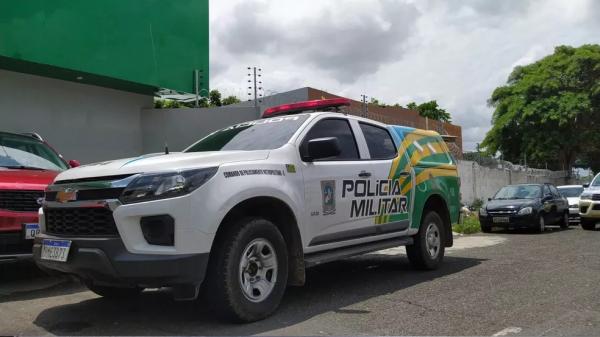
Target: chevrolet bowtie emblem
[{"x": 66, "y": 195}]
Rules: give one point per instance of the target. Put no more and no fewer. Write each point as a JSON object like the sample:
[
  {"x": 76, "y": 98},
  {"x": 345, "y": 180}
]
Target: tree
[
  {"x": 431, "y": 110},
  {"x": 214, "y": 97},
  {"x": 549, "y": 111},
  {"x": 230, "y": 100}
]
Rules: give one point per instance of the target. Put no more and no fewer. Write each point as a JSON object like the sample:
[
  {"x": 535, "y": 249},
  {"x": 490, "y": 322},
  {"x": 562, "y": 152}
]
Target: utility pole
[
  {"x": 198, "y": 77},
  {"x": 365, "y": 110},
  {"x": 255, "y": 88}
]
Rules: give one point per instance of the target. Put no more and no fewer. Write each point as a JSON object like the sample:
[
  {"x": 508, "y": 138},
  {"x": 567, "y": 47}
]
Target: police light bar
[{"x": 318, "y": 104}]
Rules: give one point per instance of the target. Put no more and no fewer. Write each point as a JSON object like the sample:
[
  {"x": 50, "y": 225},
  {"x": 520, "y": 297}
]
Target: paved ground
[{"x": 503, "y": 284}]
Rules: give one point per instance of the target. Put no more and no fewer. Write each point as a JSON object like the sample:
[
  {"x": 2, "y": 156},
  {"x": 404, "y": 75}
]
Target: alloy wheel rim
[
  {"x": 432, "y": 240},
  {"x": 258, "y": 270}
]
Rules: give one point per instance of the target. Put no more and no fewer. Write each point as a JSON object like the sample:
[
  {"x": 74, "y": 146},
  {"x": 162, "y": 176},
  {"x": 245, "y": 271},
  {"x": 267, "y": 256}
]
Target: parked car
[
  {"x": 572, "y": 193},
  {"x": 27, "y": 165},
  {"x": 247, "y": 208},
  {"x": 589, "y": 204},
  {"x": 525, "y": 206}
]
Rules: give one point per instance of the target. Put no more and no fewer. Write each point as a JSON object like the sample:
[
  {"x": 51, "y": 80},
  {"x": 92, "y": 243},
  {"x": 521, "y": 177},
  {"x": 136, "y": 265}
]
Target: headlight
[
  {"x": 153, "y": 186},
  {"x": 482, "y": 211},
  {"x": 526, "y": 210},
  {"x": 586, "y": 196}
]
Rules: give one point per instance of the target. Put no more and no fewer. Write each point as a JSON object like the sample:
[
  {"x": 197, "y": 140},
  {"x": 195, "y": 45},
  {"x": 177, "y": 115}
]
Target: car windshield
[
  {"x": 519, "y": 192},
  {"x": 596, "y": 181},
  {"x": 262, "y": 134},
  {"x": 22, "y": 152},
  {"x": 570, "y": 192}
]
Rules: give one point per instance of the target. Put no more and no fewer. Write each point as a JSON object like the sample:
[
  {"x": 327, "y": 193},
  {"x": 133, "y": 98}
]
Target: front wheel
[
  {"x": 541, "y": 225},
  {"x": 248, "y": 275},
  {"x": 427, "y": 251},
  {"x": 564, "y": 224},
  {"x": 587, "y": 224}
]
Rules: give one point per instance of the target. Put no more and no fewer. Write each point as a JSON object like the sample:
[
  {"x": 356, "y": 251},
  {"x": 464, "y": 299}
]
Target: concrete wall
[
  {"x": 480, "y": 182},
  {"x": 180, "y": 128},
  {"x": 83, "y": 122}
]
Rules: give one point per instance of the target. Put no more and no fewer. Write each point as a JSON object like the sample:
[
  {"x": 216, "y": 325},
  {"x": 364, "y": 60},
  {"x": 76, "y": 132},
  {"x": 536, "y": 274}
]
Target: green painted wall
[{"x": 135, "y": 45}]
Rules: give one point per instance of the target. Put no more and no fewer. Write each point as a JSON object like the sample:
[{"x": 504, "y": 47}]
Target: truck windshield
[
  {"x": 261, "y": 134},
  {"x": 519, "y": 192},
  {"x": 22, "y": 152}
]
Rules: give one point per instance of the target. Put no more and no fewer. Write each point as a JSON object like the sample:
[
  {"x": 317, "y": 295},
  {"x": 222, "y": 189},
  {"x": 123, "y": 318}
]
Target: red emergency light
[{"x": 318, "y": 104}]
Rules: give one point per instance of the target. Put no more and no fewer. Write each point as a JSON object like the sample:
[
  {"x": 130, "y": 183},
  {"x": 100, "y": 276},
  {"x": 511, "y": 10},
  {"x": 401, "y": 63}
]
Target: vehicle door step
[{"x": 314, "y": 259}]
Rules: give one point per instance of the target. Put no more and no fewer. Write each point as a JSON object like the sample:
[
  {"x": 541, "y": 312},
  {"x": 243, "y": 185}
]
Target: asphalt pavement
[{"x": 506, "y": 283}]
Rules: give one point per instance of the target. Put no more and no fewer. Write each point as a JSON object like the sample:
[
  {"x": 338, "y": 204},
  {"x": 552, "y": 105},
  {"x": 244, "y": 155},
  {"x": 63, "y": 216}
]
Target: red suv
[{"x": 27, "y": 165}]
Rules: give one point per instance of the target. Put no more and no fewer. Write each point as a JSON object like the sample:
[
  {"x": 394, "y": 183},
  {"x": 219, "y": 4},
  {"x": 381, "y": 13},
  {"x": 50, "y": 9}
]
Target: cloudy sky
[{"x": 398, "y": 51}]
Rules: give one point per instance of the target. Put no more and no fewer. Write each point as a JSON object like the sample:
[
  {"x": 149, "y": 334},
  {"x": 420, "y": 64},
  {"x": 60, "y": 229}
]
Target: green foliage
[
  {"x": 477, "y": 204},
  {"x": 431, "y": 110},
  {"x": 214, "y": 97},
  {"x": 550, "y": 110},
  {"x": 230, "y": 100},
  {"x": 470, "y": 225}
]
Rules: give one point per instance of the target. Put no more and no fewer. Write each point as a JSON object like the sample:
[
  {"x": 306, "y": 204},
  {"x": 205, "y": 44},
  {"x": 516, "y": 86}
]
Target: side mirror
[
  {"x": 586, "y": 185},
  {"x": 489, "y": 199},
  {"x": 320, "y": 148},
  {"x": 546, "y": 198},
  {"x": 74, "y": 163}
]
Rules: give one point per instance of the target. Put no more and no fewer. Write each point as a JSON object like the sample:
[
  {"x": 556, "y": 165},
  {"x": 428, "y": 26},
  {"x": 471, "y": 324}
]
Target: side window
[
  {"x": 379, "y": 142},
  {"x": 547, "y": 191},
  {"x": 339, "y": 128},
  {"x": 555, "y": 191}
]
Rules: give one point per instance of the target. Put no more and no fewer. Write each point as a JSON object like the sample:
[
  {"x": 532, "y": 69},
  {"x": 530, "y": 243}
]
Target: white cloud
[{"x": 398, "y": 51}]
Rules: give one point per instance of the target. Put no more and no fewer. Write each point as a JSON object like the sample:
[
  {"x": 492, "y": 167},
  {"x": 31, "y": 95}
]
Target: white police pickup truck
[{"x": 242, "y": 212}]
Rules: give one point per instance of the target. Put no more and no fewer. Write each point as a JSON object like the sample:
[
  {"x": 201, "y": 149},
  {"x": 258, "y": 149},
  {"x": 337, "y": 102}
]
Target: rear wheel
[
  {"x": 248, "y": 275},
  {"x": 565, "y": 221},
  {"x": 427, "y": 251},
  {"x": 588, "y": 224}
]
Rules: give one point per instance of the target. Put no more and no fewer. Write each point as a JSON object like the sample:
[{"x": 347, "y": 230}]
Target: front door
[{"x": 330, "y": 186}]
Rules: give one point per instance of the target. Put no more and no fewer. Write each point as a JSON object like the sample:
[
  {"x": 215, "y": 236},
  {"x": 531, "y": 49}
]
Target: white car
[
  {"x": 243, "y": 211},
  {"x": 572, "y": 193}
]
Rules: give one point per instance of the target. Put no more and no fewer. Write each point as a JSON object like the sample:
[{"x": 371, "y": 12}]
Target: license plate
[
  {"x": 501, "y": 219},
  {"x": 55, "y": 250},
  {"x": 31, "y": 230}
]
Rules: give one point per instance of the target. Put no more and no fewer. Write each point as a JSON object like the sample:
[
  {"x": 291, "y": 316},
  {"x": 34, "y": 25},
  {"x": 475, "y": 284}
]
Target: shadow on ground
[
  {"x": 23, "y": 280},
  {"x": 550, "y": 229},
  {"x": 331, "y": 287}
]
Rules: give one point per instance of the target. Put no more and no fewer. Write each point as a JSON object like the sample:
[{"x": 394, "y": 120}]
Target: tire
[
  {"x": 564, "y": 223},
  {"x": 427, "y": 251},
  {"x": 114, "y": 292},
  {"x": 541, "y": 224},
  {"x": 587, "y": 224},
  {"x": 238, "y": 267},
  {"x": 486, "y": 229}
]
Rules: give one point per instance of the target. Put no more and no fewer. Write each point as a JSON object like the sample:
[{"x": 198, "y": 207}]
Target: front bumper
[
  {"x": 106, "y": 261},
  {"x": 13, "y": 245},
  {"x": 589, "y": 209},
  {"x": 515, "y": 221},
  {"x": 574, "y": 215}
]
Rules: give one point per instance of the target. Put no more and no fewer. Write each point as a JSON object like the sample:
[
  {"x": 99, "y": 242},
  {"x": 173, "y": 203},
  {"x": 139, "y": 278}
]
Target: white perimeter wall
[{"x": 83, "y": 122}]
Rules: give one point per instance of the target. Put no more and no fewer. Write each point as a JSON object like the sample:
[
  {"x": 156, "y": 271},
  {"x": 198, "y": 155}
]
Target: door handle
[{"x": 364, "y": 174}]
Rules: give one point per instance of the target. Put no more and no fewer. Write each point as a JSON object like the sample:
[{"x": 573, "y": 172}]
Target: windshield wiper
[{"x": 24, "y": 167}]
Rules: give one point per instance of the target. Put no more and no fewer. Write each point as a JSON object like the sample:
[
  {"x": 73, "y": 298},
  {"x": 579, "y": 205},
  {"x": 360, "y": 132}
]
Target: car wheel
[
  {"x": 248, "y": 275},
  {"x": 541, "y": 226},
  {"x": 427, "y": 251},
  {"x": 589, "y": 225},
  {"x": 565, "y": 221},
  {"x": 114, "y": 292}
]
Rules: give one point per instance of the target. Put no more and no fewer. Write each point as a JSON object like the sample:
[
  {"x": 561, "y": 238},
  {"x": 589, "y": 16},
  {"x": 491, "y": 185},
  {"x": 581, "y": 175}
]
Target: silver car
[{"x": 572, "y": 193}]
